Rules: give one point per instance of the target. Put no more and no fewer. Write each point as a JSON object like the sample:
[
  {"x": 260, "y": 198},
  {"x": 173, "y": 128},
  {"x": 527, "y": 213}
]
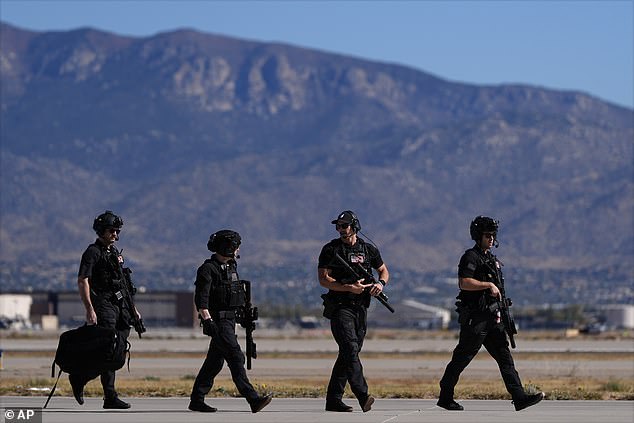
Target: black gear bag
[{"x": 89, "y": 350}]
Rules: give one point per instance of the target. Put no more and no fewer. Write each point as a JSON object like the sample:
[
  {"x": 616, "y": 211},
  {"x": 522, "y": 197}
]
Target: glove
[{"x": 209, "y": 327}]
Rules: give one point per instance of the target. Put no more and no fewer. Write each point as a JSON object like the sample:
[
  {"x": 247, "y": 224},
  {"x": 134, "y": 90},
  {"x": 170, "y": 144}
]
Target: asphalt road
[
  {"x": 235, "y": 410},
  {"x": 187, "y": 341},
  {"x": 402, "y": 366}
]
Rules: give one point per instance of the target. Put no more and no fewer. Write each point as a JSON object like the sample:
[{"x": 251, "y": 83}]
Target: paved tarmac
[
  {"x": 298, "y": 410},
  {"x": 322, "y": 342},
  {"x": 297, "y": 365}
]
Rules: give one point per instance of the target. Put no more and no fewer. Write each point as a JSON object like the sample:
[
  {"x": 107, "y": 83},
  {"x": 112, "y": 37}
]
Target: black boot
[
  {"x": 449, "y": 404},
  {"x": 338, "y": 405},
  {"x": 528, "y": 400},
  {"x": 366, "y": 404},
  {"x": 260, "y": 403},
  {"x": 201, "y": 406},
  {"x": 115, "y": 403},
  {"x": 78, "y": 388}
]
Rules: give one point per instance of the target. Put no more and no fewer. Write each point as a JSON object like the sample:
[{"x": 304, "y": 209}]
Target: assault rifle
[
  {"x": 248, "y": 316},
  {"x": 503, "y": 305},
  {"x": 126, "y": 290},
  {"x": 382, "y": 298}
]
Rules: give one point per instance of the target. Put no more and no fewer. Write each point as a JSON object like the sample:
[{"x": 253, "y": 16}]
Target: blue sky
[{"x": 578, "y": 45}]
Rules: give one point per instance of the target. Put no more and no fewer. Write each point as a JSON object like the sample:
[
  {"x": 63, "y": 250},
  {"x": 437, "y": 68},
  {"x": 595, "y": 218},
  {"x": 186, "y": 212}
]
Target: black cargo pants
[
  {"x": 481, "y": 330},
  {"x": 223, "y": 346},
  {"x": 348, "y": 325}
]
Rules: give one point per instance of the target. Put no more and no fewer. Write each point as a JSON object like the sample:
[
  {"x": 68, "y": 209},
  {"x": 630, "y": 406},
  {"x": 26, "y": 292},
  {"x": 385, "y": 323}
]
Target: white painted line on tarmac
[{"x": 401, "y": 415}]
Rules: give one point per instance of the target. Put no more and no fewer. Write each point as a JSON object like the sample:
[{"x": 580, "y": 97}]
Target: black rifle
[
  {"x": 128, "y": 291},
  {"x": 503, "y": 304},
  {"x": 382, "y": 298},
  {"x": 248, "y": 316}
]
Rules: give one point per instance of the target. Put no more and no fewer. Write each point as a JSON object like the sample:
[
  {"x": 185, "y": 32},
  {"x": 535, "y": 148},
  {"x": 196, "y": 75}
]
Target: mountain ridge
[{"x": 184, "y": 133}]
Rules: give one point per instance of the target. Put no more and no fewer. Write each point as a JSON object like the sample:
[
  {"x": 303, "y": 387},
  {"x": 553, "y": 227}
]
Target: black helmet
[
  {"x": 350, "y": 218},
  {"x": 106, "y": 220},
  {"x": 482, "y": 224},
  {"x": 224, "y": 242}
]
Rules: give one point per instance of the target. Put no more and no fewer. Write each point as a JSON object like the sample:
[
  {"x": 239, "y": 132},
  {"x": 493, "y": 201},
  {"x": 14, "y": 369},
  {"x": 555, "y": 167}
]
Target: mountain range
[{"x": 184, "y": 133}]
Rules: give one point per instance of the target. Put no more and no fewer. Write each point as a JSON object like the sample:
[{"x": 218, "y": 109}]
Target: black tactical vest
[
  {"x": 487, "y": 270},
  {"x": 107, "y": 276},
  {"x": 228, "y": 292}
]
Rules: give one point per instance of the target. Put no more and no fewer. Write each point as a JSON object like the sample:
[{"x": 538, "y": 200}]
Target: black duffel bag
[{"x": 89, "y": 350}]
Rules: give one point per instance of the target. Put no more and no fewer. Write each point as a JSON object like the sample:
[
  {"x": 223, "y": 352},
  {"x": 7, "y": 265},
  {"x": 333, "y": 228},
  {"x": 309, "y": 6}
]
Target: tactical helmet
[
  {"x": 482, "y": 224},
  {"x": 106, "y": 220},
  {"x": 350, "y": 218},
  {"x": 224, "y": 242}
]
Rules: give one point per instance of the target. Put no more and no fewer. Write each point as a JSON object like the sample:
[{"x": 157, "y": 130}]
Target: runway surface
[
  {"x": 188, "y": 341},
  {"x": 283, "y": 410},
  {"x": 402, "y": 364}
]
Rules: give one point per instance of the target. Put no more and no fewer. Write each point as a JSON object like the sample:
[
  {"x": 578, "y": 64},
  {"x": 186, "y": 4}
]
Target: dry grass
[{"x": 560, "y": 389}]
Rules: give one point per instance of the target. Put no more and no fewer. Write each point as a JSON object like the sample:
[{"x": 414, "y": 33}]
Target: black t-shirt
[
  {"x": 481, "y": 266},
  {"x": 367, "y": 255}
]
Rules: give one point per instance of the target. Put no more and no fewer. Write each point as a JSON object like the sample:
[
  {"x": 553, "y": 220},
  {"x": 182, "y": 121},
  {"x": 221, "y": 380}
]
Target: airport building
[
  {"x": 65, "y": 309},
  {"x": 49, "y": 310},
  {"x": 176, "y": 309}
]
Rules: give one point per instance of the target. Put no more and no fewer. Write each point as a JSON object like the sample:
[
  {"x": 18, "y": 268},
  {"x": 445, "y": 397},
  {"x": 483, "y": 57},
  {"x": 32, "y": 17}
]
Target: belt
[
  {"x": 114, "y": 297},
  {"x": 225, "y": 314}
]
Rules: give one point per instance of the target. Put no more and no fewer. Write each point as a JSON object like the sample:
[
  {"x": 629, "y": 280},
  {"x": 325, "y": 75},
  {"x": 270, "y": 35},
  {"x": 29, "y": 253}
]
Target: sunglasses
[
  {"x": 342, "y": 225},
  {"x": 114, "y": 230}
]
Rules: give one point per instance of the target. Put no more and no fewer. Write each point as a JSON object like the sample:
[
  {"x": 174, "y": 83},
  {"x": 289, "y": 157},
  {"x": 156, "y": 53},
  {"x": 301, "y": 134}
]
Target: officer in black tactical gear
[
  {"x": 101, "y": 283},
  {"x": 478, "y": 324},
  {"x": 346, "y": 306},
  {"x": 219, "y": 296}
]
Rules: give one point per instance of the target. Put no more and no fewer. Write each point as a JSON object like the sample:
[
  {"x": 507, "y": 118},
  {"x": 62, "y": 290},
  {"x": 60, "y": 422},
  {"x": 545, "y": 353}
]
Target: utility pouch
[
  {"x": 483, "y": 303},
  {"x": 365, "y": 299},
  {"x": 464, "y": 314},
  {"x": 329, "y": 306}
]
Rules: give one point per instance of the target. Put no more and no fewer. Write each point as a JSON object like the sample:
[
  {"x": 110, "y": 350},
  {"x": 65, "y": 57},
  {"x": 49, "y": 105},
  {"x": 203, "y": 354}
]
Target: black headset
[{"x": 356, "y": 225}]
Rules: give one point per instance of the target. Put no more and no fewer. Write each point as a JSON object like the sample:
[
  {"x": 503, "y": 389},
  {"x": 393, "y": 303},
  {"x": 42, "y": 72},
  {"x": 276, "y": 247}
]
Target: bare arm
[
  {"x": 384, "y": 275},
  {"x": 84, "y": 294},
  {"x": 470, "y": 284},
  {"x": 331, "y": 283}
]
